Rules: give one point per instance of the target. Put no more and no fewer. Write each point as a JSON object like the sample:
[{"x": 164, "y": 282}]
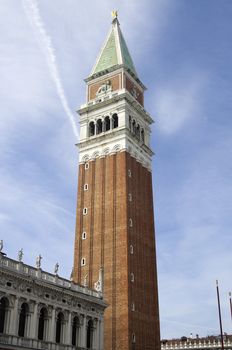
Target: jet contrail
[{"x": 32, "y": 11}]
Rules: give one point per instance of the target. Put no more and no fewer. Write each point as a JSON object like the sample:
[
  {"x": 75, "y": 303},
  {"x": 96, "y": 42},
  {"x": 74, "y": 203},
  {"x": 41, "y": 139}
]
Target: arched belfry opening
[
  {"x": 115, "y": 121},
  {"x": 138, "y": 132},
  {"x": 133, "y": 127},
  {"x": 107, "y": 123},
  {"x": 142, "y": 136},
  {"x": 91, "y": 129},
  {"x": 99, "y": 126}
]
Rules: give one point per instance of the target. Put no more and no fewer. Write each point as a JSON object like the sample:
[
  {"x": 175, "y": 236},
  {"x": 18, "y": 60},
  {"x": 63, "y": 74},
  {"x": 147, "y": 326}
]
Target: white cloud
[
  {"x": 32, "y": 10},
  {"x": 35, "y": 218},
  {"x": 178, "y": 102}
]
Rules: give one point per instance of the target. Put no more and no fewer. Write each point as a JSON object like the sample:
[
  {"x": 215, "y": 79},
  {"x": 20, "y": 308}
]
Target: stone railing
[
  {"x": 113, "y": 94},
  {"x": 196, "y": 344},
  {"x": 19, "y": 267},
  {"x": 101, "y": 99},
  {"x": 27, "y": 343}
]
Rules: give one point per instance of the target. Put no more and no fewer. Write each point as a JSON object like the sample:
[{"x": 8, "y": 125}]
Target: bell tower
[{"x": 115, "y": 221}]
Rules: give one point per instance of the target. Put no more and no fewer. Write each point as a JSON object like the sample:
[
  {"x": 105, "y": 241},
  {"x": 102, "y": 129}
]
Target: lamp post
[{"x": 219, "y": 314}]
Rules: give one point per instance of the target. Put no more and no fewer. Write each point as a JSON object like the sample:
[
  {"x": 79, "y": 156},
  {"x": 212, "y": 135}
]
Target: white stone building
[
  {"x": 205, "y": 343},
  {"x": 39, "y": 310}
]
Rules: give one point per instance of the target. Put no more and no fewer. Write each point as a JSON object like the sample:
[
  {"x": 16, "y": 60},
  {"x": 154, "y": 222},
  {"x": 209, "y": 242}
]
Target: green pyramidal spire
[{"x": 114, "y": 51}]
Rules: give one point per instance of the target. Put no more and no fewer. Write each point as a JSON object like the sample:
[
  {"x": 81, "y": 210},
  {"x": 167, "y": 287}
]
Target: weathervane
[{"x": 114, "y": 14}]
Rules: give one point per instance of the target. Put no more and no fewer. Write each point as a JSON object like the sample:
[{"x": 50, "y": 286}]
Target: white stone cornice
[{"x": 112, "y": 98}]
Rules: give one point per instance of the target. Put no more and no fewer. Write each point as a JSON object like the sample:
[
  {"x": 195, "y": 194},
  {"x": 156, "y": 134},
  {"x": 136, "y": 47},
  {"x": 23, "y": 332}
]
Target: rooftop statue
[
  {"x": 38, "y": 261},
  {"x": 56, "y": 269},
  {"x": 20, "y": 255}
]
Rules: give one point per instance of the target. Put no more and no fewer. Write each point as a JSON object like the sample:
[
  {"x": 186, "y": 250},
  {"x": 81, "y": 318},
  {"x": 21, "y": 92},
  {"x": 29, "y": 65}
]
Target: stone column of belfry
[{"x": 115, "y": 219}]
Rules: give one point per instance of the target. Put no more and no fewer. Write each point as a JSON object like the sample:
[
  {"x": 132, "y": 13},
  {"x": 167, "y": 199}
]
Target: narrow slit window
[
  {"x": 130, "y": 222},
  {"x": 86, "y": 187},
  {"x": 132, "y": 277},
  {"x": 133, "y": 338},
  {"x": 84, "y": 236},
  {"x": 132, "y": 306},
  {"x": 131, "y": 249},
  {"x": 83, "y": 261},
  {"x": 86, "y": 166},
  {"x": 130, "y": 197},
  {"x": 85, "y": 211},
  {"x": 129, "y": 173}
]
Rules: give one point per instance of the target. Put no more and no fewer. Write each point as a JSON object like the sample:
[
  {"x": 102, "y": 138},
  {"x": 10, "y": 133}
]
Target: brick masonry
[
  {"x": 116, "y": 84},
  {"x": 129, "y": 85},
  {"x": 109, "y": 236}
]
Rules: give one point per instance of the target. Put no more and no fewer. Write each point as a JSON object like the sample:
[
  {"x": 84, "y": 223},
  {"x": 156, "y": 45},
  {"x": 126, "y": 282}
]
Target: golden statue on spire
[{"x": 114, "y": 14}]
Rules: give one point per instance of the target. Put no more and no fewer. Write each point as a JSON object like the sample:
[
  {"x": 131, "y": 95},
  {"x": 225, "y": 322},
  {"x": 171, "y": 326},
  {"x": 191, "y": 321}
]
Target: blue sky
[{"x": 182, "y": 51}]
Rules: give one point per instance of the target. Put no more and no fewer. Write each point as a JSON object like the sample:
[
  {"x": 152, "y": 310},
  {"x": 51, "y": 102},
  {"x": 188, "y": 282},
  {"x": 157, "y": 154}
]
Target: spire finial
[{"x": 114, "y": 14}]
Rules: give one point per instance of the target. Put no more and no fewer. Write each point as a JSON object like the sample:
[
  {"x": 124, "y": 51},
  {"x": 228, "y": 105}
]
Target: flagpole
[
  {"x": 219, "y": 314},
  {"x": 230, "y": 305}
]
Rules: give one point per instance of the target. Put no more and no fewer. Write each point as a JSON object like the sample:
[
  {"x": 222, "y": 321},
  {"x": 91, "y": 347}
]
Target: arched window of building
[
  {"x": 130, "y": 222},
  {"x": 99, "y": 126},
  {"x": 89, "y": 340},
  {"x": 60, "y": 328},
  {"x": 43, "y": 324},
  {"x": 23, "y": 319},
  {"x": 114, "y": 121},
  {"x": 91, "y": 129},
  {"x": 133, "y": 127},
  {"x": 107, "y": 123},
  {"x": 4, "y": 305},
  {"x": 138, "y": 132},
  {"x": 130, "y": 122},
  {"x": 75, "y": 331}
]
